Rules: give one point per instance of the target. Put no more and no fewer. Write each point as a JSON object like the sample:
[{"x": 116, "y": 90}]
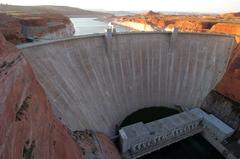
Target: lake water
[{"x": 85, "y": 26}]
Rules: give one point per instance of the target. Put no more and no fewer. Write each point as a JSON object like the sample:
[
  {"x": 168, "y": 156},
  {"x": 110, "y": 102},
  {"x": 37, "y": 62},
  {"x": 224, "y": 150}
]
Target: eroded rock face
[
  {"x": 17, "y": 28},
  {"x": 11, "y": 29},
  {"x": 227, "y": 28},
  {"x": 229, "y": 86},
  {"x": 234, "y": 14},
  {"x": 189, "y": 26},
  {"x": 95, "y": 145},
  {"x": 28, "y": 128},
  {"x": 50, "y": 26}
]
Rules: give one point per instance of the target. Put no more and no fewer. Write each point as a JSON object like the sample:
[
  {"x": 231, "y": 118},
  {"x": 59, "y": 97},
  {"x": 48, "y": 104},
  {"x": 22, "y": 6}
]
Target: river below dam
[
  {"x": 195, "y": 147},
  {"x": 84, "y": 26}
]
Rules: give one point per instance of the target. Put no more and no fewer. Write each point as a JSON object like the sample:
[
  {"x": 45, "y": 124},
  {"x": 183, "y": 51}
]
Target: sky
[{"x": 207, "y": 6}]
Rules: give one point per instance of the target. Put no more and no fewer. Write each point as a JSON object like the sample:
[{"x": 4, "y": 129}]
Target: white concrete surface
[{"x": 94, "y": 83}]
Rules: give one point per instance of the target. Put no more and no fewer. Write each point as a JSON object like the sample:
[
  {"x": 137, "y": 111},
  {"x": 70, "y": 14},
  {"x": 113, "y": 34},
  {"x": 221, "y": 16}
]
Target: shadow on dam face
[{"x": 93, "y": 82}]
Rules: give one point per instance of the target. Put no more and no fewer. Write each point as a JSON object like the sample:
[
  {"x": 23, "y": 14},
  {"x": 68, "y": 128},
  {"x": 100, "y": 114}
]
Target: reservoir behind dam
[{"x": 93, "y": 25}]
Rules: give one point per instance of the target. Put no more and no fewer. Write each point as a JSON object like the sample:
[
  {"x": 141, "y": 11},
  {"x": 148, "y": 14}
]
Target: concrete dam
[{"x": 94, "y": 82}]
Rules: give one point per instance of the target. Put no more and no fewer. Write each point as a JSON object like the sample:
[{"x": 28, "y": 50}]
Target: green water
[{"x": 195, "y": 147}]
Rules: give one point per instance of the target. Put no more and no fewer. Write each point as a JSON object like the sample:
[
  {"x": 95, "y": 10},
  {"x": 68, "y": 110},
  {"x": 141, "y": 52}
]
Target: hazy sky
[{"x": 157, "y": 5}]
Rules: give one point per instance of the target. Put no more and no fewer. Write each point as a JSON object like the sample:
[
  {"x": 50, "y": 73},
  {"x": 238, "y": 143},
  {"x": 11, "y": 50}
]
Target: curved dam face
[{"x": 94, "y": 82}]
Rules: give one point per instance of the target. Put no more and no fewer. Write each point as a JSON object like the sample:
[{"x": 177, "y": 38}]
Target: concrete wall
[{"x": 94, "y": 82}]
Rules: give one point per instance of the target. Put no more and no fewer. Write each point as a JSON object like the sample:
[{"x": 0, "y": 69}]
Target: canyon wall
[
  {"x": 94, "y": 82},
  {"x": 233, "y": 29},
  {"x": 11, "y": 29},
  {"x": 45, "y": 26},
  {"x": 229, "y": 86},
  {"x": 28, "y": 127},
  {"x": 20, "y": 27}
]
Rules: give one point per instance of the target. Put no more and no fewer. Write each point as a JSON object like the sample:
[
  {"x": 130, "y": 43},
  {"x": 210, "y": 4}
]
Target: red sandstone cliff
[
  {"x": 233, "y": 29},
  {"x": 49, "y": 26},
  {"x": 229, "y": 86},
  {"x": 189, "y": 26},
  {"x": 11, "y": 29},
  {"x": 28, "y": 127},
  {"x": 17, "y": 27}
]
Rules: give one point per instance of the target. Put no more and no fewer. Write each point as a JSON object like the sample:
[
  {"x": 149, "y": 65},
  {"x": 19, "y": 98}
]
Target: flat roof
[
  {"x": 135, "y": 130},
  {"x": 217, "y": 123},
  {"x": 224, "y": 128},
  {"x": 199, "y": 112},
  {"x": 161, "y": 126},
  {"x": 172, "y": 122}
]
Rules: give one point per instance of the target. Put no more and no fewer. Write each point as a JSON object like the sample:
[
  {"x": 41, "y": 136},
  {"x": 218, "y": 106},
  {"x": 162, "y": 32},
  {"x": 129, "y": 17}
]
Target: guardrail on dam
[{"x": 94, "y": 82}]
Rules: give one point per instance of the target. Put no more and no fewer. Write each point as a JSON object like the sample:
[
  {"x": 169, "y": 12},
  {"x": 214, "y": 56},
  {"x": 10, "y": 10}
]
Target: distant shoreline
[{"x": 87, "y": 16}]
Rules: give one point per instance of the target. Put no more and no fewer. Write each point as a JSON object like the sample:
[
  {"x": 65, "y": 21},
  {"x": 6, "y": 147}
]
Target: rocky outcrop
[
  {"x": 184, "y": 25},
  {"x": 17, "y": 28},
  {"x": 28, "y": 128},
  {"x": 11, "y": 29},
  {"x": 233, "y": 29},
  {"x": 95, "y": 145},
  {"x": 234, "y": 14},
  {"x": 151, "y": 13},
  {"x": 229, "y": 86},
  {"x": 51, "y": 26}
]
